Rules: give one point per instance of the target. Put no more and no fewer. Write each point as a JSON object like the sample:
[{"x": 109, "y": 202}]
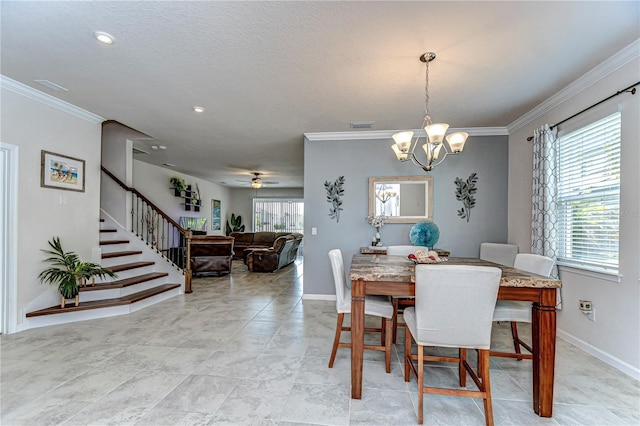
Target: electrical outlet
[{"x": 585, "y": 305}]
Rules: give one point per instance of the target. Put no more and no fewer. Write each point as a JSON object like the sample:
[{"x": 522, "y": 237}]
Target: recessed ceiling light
[
  {"x": 103, "y": 37},
  {"x": 198, "y": 109}
]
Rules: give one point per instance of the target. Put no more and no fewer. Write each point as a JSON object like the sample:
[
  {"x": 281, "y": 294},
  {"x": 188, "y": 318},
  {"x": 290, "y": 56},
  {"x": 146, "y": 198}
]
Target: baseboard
[
  {"x": 616, "y": 363},
  {"x": 331, "y": 297}
]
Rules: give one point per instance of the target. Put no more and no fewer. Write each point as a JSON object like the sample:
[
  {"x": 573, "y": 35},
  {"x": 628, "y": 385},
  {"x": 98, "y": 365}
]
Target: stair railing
[{"x": 159, "y": 231}]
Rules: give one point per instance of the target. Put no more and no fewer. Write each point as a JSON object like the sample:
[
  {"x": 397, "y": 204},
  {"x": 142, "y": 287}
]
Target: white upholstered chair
[
  {"x": 454, "y": 308},
  {"x": 503, "y": 254},
  {"x": 403, "y": 301},
  {"x": 373, "y": 305},
  {"x": 514, "y": 312}
]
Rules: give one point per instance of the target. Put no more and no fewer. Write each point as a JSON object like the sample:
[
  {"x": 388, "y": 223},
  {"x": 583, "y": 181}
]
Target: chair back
[
  {"x": 403, "y": 250},
  {"x": 454, "y": 305},
  {"x": 503, "y": 254},
  {"x": 337, "y": 266},
  {"x": 535, "y": 263}
]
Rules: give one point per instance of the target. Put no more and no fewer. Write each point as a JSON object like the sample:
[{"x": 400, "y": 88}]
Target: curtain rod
[{"x": 619, "y": 92}]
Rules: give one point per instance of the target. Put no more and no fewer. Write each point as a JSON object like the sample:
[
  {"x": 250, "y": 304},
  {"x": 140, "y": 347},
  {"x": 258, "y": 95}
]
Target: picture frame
[
  {"x": 216, "y": 222},
  {"x": 61, "y": 172}
]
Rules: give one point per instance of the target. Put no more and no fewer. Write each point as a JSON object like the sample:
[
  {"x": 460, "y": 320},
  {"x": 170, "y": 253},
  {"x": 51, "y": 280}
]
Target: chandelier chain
[{"x": 426, "y": 89}]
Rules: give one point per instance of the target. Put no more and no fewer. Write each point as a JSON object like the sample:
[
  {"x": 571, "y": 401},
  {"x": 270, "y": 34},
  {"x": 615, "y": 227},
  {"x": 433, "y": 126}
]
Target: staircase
[{"x": 144, "y": 278}]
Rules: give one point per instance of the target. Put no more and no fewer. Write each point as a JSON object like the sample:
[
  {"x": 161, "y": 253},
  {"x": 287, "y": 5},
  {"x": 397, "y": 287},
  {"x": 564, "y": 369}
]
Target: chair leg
[
  {"x": 516, "y": 339},
  {"x": 420, "y": 383},
  {"x": 483, "y": 355},
  {"x": 383, "y": 330},
  {"x": 462, "y": 371},
  {"x": 336, "y": 340},
  {"x": 407, "y": 354},
  {"x": 395, "y": 319},
  {"x": 387, "y": 344}
]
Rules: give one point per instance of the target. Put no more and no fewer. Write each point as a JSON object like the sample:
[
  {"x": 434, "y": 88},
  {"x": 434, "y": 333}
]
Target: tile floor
[{"x": 246, "y": 350}]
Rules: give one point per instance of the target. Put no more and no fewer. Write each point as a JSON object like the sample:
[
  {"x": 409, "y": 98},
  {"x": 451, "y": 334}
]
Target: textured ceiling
[{"x": 267, "y": 72}]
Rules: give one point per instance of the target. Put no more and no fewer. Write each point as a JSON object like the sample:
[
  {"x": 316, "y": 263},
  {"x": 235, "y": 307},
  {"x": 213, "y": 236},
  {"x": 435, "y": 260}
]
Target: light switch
[
  {"x": 314, "y": 231},
  {"x": 63, "y": 200}
]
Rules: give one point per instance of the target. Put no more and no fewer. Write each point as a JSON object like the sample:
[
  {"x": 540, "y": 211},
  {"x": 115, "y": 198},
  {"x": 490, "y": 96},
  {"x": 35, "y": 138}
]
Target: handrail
[
  {"x": 145, "y": 222},
  {"x": 145, "y": 199}
]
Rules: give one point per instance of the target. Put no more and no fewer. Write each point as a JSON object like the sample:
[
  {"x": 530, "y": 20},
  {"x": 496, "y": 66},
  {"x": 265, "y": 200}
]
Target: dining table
[{"x": 395, "y": 276}]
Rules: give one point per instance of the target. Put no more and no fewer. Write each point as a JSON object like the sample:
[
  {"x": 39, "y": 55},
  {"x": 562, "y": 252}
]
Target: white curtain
[{"x": 544, "y": 208}]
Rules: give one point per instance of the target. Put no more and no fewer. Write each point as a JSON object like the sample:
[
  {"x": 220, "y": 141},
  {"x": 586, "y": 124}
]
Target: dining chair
[
  {"x": 378, "y": 306},
  {"x": 454, "y": 309},
  {"x": 514, "y": 312},
  {"x": 403, "y": 301},
  {"x": 503, "y": 254}
]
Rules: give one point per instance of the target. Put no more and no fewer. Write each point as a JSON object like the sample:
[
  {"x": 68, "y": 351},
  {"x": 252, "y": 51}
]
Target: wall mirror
[{"x": 403, "y": 199}]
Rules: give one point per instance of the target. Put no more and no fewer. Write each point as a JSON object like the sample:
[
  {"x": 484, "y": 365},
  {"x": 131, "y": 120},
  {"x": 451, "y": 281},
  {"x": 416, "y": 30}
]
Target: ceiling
[{"x": 268, "y": 72}]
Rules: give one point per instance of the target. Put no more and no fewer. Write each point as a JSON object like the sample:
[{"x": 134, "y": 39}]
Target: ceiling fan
[{"x": 257, "y": 181}]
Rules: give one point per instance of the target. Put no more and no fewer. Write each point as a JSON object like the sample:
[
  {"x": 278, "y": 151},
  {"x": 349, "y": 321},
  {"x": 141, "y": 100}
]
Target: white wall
[
  {"x": 615, "y": 334},
  {"x": 242, "y": 201},
  {"x": 153, "y": 182},
  {"x": 34, "y": 121}
]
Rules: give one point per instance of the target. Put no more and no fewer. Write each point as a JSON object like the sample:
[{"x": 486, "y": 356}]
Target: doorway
[{"x": 8, "y": 237}]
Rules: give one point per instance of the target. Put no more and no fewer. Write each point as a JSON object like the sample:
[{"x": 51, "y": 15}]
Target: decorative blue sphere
[{"x": 424, "y": 234}]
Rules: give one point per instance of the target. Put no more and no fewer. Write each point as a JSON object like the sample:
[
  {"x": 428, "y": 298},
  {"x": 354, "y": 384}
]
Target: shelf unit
[{"x": 189, "y": 202}]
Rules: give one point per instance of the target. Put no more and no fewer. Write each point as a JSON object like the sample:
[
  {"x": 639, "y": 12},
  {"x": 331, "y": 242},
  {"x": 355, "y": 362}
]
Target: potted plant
[
  {"x": 235, "y": 224},
  {"x": 178, "y": 184},
  {"x": 68, "y": 272}
]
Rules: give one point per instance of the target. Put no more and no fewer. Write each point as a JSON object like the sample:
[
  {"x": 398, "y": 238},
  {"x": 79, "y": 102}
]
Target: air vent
[
  {"x": 139, "y": 151},
  {"x": 362, "y": 124},
  {"x": 51, "y": 85}
]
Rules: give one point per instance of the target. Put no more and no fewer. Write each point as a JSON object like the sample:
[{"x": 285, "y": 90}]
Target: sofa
[
  {"x": 253, "y": 240},
  {"x": 283, "y": 253},
  {"x": 211, "y": 255}
]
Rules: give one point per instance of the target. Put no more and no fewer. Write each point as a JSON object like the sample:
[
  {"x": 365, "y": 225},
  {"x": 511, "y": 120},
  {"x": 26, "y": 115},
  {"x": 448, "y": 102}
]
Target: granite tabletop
[{"x": 400, "y": 269}]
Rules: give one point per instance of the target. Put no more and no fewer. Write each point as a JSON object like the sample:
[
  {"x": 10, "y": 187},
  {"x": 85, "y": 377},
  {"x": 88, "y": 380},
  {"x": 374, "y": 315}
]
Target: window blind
[
  {"x": 588, "y": 194},
  {"x": 279, "y": 215}
]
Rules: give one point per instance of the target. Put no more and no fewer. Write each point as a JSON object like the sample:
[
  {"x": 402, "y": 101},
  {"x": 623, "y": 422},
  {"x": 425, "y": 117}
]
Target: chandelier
[{"x": 404, "y": 147}]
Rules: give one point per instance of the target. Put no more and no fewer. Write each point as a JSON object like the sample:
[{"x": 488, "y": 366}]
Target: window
[
  {"x": 278, "y": 214},
  {"x": 589, "y": 195}
]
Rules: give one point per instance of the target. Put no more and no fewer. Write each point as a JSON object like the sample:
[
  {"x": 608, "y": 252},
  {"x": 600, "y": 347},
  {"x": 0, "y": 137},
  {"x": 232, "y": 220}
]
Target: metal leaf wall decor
[
  {"x": 335, "y": 191},
  {"x": 464, "y": 193}
]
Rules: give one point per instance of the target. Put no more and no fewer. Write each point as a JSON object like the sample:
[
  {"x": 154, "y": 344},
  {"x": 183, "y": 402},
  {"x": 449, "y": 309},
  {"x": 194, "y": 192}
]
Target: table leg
[
  {"x": 543, "y": 330},
  {"x": 357, "y": 337}
]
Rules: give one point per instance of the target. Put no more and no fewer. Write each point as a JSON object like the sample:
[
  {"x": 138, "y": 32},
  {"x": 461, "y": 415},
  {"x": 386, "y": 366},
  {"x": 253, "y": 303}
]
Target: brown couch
[
  {"x": 211, "y": 255},
  {"x": 253, "y": 240},
  {"x": 283, "y": 252}
]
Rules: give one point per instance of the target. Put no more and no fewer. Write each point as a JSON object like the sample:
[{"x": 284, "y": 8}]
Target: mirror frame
[{"x": 428, "y": 180}]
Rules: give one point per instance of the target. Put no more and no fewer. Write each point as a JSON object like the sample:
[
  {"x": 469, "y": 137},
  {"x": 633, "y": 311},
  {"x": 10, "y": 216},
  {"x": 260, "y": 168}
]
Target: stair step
[
  {"x": 110, "y": 242},
  {"x": 106, "y": 303},
  {"x": 108, "y": 230},
  {"x": 127, "y": 266},
  {"x": 121, "y": 253},
  {"x": 125, "y": 282}
]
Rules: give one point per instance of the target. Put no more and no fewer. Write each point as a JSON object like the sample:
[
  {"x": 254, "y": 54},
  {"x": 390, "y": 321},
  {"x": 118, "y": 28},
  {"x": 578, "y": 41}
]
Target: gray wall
[{"x": 357, "y": 160}]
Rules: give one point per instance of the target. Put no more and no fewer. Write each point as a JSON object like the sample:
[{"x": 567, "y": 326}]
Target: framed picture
[
  {"x": 215, "y": 215},
  {"x": 61, "y": 172}
]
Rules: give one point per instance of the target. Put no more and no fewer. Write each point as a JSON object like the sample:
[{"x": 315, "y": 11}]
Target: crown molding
[
  {"x": 36, "y": 95},
  {"x": 387, "y": 134},
  {"x": 614, "y": 63}
]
